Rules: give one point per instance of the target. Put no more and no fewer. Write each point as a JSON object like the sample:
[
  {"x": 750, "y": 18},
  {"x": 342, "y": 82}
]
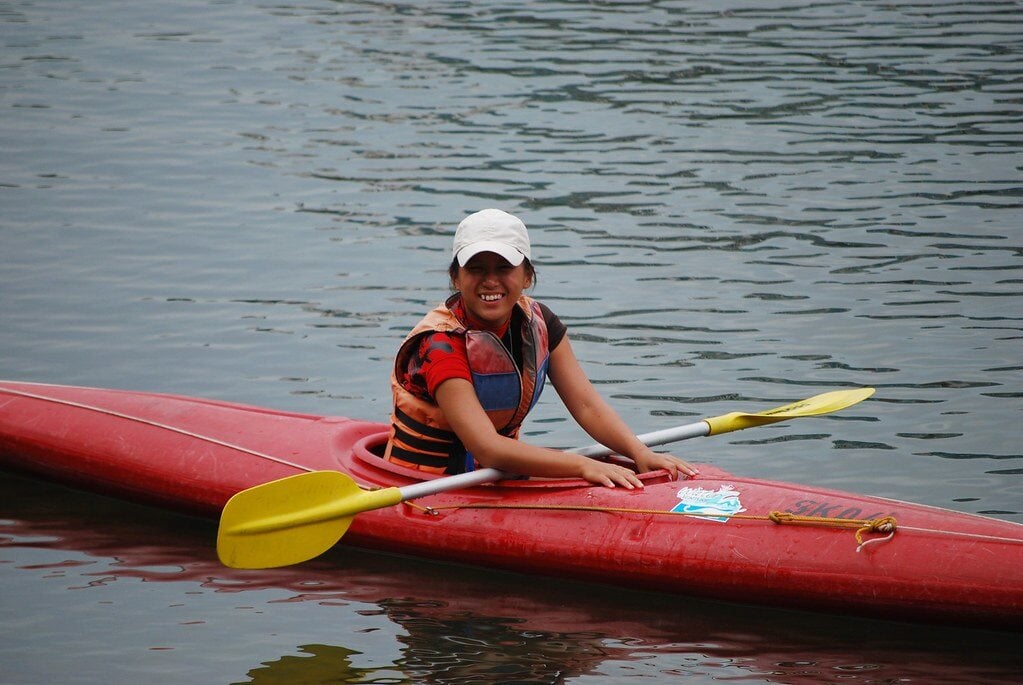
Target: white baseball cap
[{"x": 491, "y": 230}]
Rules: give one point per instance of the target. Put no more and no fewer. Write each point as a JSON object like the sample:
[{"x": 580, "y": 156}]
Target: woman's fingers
[{"x": 611, "y": 475}]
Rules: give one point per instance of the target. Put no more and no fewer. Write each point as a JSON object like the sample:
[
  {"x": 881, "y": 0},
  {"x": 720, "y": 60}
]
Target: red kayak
[{"x": 718, "y": 536}]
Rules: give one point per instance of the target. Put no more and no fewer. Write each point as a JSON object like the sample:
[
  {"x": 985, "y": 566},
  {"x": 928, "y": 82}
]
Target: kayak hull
[{"x": 719, "y": 536}]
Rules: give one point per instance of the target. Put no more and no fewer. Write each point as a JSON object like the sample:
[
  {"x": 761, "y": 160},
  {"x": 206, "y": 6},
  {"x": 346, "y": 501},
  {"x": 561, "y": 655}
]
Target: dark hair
[{"x": 530, "y": 270}]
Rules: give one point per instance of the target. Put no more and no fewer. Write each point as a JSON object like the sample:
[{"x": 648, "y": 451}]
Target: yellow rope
[{"x": 885, "y": 525}]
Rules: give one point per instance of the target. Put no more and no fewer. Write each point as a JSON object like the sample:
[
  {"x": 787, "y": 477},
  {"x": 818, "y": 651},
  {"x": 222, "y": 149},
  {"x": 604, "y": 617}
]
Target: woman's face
[{"x": 490, "y": 287}]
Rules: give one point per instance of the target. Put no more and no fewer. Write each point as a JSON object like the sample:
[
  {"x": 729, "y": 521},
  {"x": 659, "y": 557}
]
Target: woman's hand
[
  {"x": 608, "y": 474},
  {"x": 613, "y": 475},
  {"x": 648, "y": 460}
]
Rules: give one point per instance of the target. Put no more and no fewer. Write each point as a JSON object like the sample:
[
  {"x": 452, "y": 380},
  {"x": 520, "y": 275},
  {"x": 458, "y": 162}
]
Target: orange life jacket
[{"x": 420, "y": 434}]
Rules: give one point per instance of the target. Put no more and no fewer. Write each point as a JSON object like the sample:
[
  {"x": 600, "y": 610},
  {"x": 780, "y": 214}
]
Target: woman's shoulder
[
  {"x": 444, "y": 341},
  {"x": 556, "y": 329}
]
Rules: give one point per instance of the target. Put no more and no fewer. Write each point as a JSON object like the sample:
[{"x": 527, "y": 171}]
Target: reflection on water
[
  {"x": 733, "y": 205},
  {"x": 320, "y": 664},
  {"x": 450, "y": 624},
  {"x": 452, "y": 650}
]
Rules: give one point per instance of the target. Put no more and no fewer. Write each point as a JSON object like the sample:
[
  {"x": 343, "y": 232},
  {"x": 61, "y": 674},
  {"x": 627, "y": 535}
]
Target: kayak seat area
[{"x": 377, "y": 447}]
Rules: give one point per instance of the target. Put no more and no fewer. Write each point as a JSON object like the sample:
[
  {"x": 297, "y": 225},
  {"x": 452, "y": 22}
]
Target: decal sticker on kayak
[{"x": 715, "y": 505}]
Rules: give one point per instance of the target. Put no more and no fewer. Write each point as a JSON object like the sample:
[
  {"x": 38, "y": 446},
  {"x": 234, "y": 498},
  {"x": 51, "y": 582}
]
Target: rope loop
[
  {"x": 882, "y": 525},
  {"x": 885, "y": 525},
  {"x": 781, "y": 517}
]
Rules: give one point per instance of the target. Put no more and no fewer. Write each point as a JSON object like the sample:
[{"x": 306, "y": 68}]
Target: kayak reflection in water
[
  {"x": 472, "y": 368},
  {"x": 450, "y": 650}
]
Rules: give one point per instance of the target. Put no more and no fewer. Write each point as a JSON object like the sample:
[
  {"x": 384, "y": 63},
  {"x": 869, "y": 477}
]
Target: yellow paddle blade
[
  {"x": 293, "y": 519},
  {"x": 812, "y": 406}
]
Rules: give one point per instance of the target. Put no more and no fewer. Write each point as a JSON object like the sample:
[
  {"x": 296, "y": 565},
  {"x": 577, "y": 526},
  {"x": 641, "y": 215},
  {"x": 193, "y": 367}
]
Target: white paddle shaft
[{"x": 661, "y": 437}]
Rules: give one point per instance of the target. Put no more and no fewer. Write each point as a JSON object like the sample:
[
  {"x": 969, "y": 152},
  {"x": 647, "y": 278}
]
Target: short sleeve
[
  {"x": 439, "y": 357},
  {"x": 556, "y": 329}
]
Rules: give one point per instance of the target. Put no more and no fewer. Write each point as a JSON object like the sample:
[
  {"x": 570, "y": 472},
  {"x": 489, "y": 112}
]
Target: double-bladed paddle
[{"x": 297, "y": 518}]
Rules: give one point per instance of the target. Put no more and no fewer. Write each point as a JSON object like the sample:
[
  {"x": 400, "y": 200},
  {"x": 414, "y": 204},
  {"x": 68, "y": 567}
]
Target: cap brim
[{"x": 513, "y": 256}]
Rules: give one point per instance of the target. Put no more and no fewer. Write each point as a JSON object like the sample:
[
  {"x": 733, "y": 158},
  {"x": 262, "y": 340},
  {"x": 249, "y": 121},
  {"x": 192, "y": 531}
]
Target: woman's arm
[
  {"x": 599, "y": 420},
  {"x": 457, "y": 398}
]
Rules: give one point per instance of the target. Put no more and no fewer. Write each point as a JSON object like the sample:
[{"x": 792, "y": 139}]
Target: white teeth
[{"x": 490, "y": 298}]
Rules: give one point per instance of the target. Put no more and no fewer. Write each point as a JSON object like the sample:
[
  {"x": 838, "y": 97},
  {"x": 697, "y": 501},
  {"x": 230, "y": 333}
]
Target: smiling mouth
[{"x": 491, "y": 297}]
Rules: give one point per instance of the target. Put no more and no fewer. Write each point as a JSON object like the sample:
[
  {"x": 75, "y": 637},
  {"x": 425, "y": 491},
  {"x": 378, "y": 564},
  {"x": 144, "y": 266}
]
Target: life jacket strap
[
  {"x": 426, "y": 446},
  {"x": 407, "y": 422}
]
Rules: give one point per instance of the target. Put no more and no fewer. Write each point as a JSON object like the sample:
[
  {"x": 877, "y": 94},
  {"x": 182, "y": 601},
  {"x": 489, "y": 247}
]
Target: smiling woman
[
  {"x": 491, "y": 266},
  {"x": 468, "y": 374}
]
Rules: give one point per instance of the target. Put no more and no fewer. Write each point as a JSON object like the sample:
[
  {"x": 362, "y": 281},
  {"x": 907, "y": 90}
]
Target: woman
[{"x": 469, "y": 372}]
